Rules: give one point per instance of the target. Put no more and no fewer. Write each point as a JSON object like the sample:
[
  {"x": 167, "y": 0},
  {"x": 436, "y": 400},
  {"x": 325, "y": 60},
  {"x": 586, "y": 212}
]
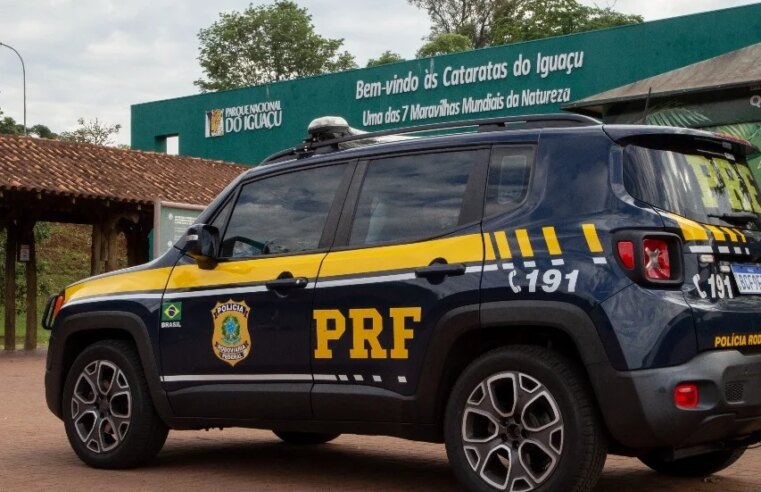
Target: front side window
[
  {"x": 411, "y": 197},
  {"x": 281, "y": 214}
]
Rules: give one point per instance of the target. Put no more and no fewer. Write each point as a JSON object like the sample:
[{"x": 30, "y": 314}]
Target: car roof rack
[{"x": 322, "y": 142}]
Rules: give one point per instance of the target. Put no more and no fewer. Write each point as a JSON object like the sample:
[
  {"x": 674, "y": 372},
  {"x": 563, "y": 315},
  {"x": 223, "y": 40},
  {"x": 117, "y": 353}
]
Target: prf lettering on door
[{"x": 366, "y": 327}]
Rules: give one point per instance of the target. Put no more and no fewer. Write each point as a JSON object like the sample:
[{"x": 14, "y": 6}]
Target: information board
[{"x": 170, "y": 221}]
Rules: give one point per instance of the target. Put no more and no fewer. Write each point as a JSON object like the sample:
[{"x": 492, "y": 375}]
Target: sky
[{"x": 95, "y": 58}]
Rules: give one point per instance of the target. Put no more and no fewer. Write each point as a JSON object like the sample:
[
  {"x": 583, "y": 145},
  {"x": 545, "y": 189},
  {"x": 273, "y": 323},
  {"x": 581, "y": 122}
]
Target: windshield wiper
[{"x": 737, "y": 218}]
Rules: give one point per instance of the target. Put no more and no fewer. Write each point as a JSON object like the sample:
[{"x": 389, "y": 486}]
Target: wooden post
[
  {"x": 95, "y": 249},
  {"x": 30, "y": 339},
  {"x": 10, "y": 286},
  {"x": 112, "y": 234}
]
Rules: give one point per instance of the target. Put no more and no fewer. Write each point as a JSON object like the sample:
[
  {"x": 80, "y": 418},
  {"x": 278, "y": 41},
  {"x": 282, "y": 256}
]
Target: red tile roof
[{"x": 94, "y": 171}]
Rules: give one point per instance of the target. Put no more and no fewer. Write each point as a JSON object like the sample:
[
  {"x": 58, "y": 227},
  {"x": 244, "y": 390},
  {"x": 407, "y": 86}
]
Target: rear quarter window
[{"x": 699, "y": 186}]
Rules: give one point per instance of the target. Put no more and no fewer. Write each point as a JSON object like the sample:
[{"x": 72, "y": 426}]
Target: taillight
[
  {"x": 626, "y": 254},
  {"x": 648, "y": 257},
  {"x": 686, "y": 396},
  {"x": 657, "y": 263}
]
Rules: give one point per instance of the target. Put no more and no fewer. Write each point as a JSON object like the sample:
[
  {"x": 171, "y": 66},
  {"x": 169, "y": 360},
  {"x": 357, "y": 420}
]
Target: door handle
[
  {"x": 441, "y": 270},
  {"x": 287, "y": 283}
]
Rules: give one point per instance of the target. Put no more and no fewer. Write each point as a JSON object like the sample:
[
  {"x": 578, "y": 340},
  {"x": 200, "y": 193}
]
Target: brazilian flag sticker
[{"x": 171, "y": 311}]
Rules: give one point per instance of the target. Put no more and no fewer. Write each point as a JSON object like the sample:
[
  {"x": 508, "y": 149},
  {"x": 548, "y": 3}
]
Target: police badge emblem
[{"x": 231, "y": 340}]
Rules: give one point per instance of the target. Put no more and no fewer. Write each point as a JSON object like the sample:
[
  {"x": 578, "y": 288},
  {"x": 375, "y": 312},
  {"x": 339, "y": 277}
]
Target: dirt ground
[{"x": 35, "y": 455}]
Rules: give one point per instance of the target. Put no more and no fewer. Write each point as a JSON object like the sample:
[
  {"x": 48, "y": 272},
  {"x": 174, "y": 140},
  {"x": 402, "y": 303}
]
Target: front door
[{"x": 235, "y": 339}]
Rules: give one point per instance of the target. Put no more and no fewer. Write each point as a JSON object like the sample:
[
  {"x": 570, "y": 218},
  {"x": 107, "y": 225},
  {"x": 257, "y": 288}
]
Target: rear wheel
[
  {"x": 107, "y": 409},
  {"x": 523, "y": 419},
  {"x": 695, "y": 466},
  {"x": 305, "y": 438}
]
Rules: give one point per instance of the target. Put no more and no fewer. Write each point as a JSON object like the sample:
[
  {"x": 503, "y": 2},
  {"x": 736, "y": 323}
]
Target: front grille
[{"x": 733, "y": 391}]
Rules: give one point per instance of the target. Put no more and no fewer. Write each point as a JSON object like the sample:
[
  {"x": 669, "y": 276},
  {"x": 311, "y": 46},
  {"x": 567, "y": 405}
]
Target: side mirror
[{"x": 202, "y": 244}]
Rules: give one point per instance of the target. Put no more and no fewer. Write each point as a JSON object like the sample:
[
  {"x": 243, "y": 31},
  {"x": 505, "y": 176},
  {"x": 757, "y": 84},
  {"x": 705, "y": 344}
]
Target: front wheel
[
  {"x": 522, "y": 419},
  {"x": 107, "y": 409},
  {"x": 695, "y": 466}
]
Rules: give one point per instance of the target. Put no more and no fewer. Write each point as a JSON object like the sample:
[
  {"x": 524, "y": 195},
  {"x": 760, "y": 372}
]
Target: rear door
[
  {"x": 409, "y": 250},
  {"x": 706, "y": 193}
]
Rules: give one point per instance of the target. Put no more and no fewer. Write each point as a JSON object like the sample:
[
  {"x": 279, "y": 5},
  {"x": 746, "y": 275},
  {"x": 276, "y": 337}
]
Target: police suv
[{"x": 535, "y": 294}]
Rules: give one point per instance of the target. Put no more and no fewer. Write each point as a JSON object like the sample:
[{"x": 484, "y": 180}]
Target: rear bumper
[{"x": 638, "y": 406}]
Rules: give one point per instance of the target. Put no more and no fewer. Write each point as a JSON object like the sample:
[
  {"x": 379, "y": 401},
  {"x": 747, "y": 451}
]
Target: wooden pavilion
[{"x": 111, "y": 189}]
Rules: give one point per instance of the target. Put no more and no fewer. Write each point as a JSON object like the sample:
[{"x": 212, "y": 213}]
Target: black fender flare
[
  {"x": 565, "y": 317},
  {"x": 123, "y": 321}
]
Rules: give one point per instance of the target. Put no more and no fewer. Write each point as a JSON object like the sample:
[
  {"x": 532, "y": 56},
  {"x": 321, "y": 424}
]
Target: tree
[
  {"x": 8, "y": 126},
  {"x": 443, "y": 44},
  {"x": 265, "y": 44},
  {"x": 536, "y": 19},
  {"x": 385, "y": 58},
  {"x": 43, "y": 131},
  {"x": 92, "y": 131},
  {"x": 492, "y": 22},
  {"x": 471, "y": 18}
]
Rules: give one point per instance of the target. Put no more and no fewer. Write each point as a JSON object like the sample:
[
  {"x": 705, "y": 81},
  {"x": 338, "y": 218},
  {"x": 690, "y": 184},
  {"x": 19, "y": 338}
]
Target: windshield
[{"x": 705, "y": 187}]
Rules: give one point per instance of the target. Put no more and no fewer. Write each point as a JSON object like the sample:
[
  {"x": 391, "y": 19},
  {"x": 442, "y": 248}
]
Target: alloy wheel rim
[
  {"x": 101, "y": 406},
  {"x": 512, "y": 432}
]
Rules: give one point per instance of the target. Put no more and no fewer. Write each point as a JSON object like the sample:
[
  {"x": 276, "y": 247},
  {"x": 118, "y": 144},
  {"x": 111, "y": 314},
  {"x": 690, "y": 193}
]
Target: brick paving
[{"x": 35, "y": 455}]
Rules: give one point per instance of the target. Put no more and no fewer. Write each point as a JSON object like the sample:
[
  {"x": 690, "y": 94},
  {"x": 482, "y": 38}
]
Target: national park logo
[
  {"x": 231, "y": 341},
  {"x": 215, "y": 126}
]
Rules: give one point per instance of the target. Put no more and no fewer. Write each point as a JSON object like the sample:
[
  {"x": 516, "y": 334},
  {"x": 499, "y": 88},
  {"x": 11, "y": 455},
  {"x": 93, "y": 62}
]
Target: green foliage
[
  {"x": 537, "y": 19},
  {"x": 471, "y": 18},
  {"x": 92, "y": 131},
  {"x": 9, "y": 126},
  {"x": 385, "y": 58},
  {"x": 492, "y": 22},
  {"x": 265, "y": 44},
  {"x": 443, "y": 44},
  {"x": 671, "y": 114},
  {"x": 43, "y": 131}
]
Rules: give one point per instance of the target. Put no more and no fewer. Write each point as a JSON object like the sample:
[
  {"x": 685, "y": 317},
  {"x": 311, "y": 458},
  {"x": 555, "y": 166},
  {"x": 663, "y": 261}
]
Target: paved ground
[{"x": 34, "y": 455}]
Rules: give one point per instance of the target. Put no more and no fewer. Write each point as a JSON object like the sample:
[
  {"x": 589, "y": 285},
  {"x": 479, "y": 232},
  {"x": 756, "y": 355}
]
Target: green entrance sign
[
  {"x": 245, "y": 125},
  {"x": 170, "y": 222}
]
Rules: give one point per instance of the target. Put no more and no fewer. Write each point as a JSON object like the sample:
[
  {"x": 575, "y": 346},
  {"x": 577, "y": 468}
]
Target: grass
[{"x": 42, "y": 335}]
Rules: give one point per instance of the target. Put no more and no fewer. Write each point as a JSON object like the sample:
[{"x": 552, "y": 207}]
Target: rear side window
[
  {"x": 281, "y": 214},
  {"x": 713, "y": 189},
  {"x": 509, "y": 173},
  {"x": 411, "y": 197}
]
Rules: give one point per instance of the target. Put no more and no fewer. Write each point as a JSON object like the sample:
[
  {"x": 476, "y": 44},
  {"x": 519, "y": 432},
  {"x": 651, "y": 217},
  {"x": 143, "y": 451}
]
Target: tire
[
  {"x": 107, "y": 409},
  {"x": 695, "y": 466},
  {"x": 542, "y": 433},
  {"x": 304, "y": 438}
]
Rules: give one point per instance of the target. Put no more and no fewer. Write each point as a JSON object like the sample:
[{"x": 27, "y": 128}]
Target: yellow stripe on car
[
  {"x": 524, "y": 244},
  {"x": 593, "y": 241},
  {"x": 140, "y": 281},
  {"x": 717, "y": 234},
  {"x": 691, "y": 230},
  {"x": 503, "y": 246},
  {"x": 488, "y": 247},
  {"x": 553, "y": 246},
  {"x": 245, "y": 271},
  {"x": 731, "y": 233},
  {"x": 457, "y": 249}
]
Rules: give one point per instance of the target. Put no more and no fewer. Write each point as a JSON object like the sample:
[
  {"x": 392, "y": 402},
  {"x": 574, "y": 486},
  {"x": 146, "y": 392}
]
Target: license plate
[{"x": 748, "y": 278}]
